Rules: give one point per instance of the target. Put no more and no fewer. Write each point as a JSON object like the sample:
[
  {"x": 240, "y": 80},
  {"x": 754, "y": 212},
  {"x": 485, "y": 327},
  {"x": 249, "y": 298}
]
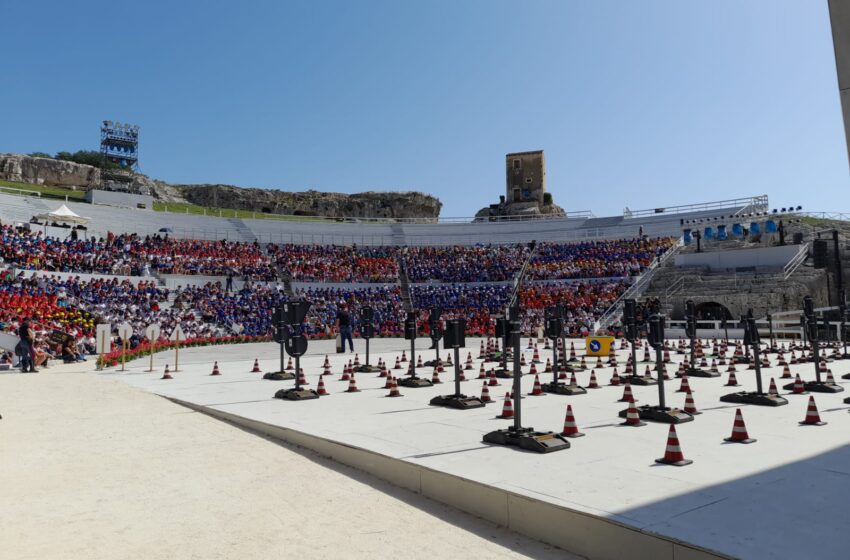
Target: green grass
[
  {"x": 185, "y": 208},
  {"x": 46, "y": 191}
]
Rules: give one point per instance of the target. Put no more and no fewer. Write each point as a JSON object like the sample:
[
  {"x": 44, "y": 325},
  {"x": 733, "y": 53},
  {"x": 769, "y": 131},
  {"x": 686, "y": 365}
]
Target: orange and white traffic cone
[
  {"x": 215, "y": 370},
  {"x": 685, "y": 386},
  {"x": 533, "y": 370},
  {"x": 627, "y": 393},
  {"x": 799, "y": 388},
  {"x": 570, "y": 428},
  {"x": 786, "y": 372},
  {"x": 419, "y": 363},
  {"x": 485, "y": 394},
  {"x": 812, "y": 415},
  {"x": 356, "y": 360},
  {"x": 384, "y": 371},
  {"x": 492, "y": 381},
  {"x": 302, "y": 379},
  {"x": 320, "y": 388},
  {"x": 548, "y": 368},
  {"x": 394, "y": 392},
  {"x": 289, "y": 365},
  {"x": 615, "y": 378},
  {"x": 633, "y": 417},
  {"x": 352, "y": 386},
  {"x": 507, "y": 408},
  {"x": 403, "y": 356},
  {"x": 593, "y": 384},
  {"x": 482, "y": 374},
  {"x": 397, "y": 363},
  {"x": 772, "y": 390},
  {"x": 389, "y": 382},
  {"x": 733, "y": 381},
  {"x": 167, "y": 373},
  {"x": 327, "y": 364},
  {"x": 256, "y": 368},
  {"x": 537, "y": 390},
  {"x": 346, "y": 374},
  {"x": 739, "y": 430},
  {"x": 690, "y": 406},
  {"x": 481, "y": 353},
  {"x": 673, "y": 452},
  {"x": 435, "y": 377},
  {"x": 468, "y": 365}
]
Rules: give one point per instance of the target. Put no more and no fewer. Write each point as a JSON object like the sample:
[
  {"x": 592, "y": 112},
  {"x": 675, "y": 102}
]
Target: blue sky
[{"x": 637, "y": 103}]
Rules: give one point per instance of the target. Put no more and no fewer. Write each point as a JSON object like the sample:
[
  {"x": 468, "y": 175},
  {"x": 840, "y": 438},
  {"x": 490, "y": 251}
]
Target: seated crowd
[{"x": 134, "y": 255}]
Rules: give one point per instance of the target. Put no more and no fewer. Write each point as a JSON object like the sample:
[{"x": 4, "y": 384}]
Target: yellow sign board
[{"x": 598, "y": 345}]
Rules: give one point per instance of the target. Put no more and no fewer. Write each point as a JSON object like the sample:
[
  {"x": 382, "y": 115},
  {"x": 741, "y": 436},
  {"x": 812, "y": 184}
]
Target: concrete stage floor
[{"x": 781, "y": 497}]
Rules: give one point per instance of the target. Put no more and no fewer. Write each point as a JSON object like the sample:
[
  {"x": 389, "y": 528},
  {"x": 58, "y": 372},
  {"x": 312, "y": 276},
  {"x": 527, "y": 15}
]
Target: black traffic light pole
[{"x": 292, "y": 314}]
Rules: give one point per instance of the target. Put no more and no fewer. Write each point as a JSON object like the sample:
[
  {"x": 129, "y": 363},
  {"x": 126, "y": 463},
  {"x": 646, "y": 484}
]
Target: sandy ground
[{"x": 92, "y": 468}]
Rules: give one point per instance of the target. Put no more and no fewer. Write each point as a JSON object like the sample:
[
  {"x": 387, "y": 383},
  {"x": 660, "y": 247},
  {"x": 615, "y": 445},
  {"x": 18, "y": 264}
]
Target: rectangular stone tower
[{"x": 525, "y": 174}]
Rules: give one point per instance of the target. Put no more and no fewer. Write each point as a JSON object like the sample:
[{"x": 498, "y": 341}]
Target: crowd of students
[
  {"x": 470, "y": 282},
  {"x": 134, "y": 255}
]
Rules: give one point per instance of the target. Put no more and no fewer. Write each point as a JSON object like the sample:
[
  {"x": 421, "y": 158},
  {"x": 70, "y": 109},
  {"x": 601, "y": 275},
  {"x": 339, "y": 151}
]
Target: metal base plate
[
  {"x": 681, "y": 463},
  {"x": 561, "y": 388},
  {"x": 504, "y": 373},
  {"x": 368, "y": 369},
  {"x": 461, "y": 402},
  {"x": 815, "y": 387},
  {"x": 527, "y": 438},
  {"x": 279, "y": 375},
  {"x": 658, "y": 414},
  {"x": 296, "y": 394},
  {"x": 760, "y": 399},
  {"x": 638, "y": 380},
  {"x": 414, "y": 382},
  {"x": 696, "y": 372}
]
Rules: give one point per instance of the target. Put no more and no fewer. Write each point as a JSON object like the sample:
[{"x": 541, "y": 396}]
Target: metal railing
[
  {"x": 20, "y": 192},
  {"x": 637, "y": 288},
  {"x": 795, "y": 261},
  {"x": 759, "y": 201}
]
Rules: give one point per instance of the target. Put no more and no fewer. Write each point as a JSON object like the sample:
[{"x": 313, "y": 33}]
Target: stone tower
[{"x": 525, "y": 178}]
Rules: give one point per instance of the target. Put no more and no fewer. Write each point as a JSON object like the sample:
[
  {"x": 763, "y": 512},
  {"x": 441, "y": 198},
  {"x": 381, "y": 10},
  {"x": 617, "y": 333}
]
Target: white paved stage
[{"x": 781, "y": 497}]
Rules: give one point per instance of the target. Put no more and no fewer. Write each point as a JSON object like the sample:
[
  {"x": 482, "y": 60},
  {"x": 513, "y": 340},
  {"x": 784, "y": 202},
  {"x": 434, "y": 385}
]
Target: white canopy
[{"x": 63, "y": 214}]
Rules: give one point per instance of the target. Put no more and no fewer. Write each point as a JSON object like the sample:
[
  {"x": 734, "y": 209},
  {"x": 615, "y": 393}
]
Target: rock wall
[
  {"x": 393, "y": 205},
  {"x": 46, "y": 171}
]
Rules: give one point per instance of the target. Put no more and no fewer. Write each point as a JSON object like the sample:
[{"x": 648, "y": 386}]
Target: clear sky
[{"x": 638, "y": 103}]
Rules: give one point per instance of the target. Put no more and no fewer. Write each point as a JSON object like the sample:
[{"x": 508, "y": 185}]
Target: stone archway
[{"x": 712, "y": 311}]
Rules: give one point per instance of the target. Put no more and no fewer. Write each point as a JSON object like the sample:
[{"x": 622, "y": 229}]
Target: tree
[{"x": 40, "y": 154}]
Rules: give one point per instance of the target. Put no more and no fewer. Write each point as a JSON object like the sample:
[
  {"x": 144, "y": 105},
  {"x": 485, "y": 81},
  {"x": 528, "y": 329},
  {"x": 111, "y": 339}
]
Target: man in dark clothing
[
  {"x": 229, "y": 284},
  {"x": 27, "y": 346},
  {"x": 343, "y": 323}
]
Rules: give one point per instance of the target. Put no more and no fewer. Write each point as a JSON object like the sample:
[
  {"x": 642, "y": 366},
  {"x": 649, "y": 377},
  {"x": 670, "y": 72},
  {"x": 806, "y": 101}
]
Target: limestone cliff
[
  {"x": 47, "y": 171},
  {"x": 389, "y": 205},
  {"x": 393, "y": 205}
]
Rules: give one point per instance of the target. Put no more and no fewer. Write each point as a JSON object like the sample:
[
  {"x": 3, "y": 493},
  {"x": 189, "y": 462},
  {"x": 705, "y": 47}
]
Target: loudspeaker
[
  {"x": 455, "y": 334},
  {"x": 554, "y": 326},
  {"x": 820, "y": 251},
  {"x": 656, "y": 331},
  {"x": 410, "y": 326}
]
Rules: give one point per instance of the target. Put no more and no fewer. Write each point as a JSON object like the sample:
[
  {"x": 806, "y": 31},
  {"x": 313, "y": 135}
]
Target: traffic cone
[
  {"x": 713, "y": 368},
  {"x": 419, "y": 361},
  {"x": 289, "y": 365},
  {"x": 615, "y": 378},
  {"x": 548, "y": 368},
  {"x": 522, "y": 360},
  {"x": 812, "y": 416},
  {"x": 530, "y": 343},
  {"x": 772, "y": 390},
  {"x": 685, "y": 386},
  {"x": 389, "y": 382},
  {"x": 394, "y": 392},
  {"x": 481, "y": 373},
  {"x": 830, "y": 380},
  {"x": 256, "y": 368},
  {"x": 327, "y": 364},
  {"x": 384, "y": 371},
  {"x": 215, "y": 369},
  {"x": 492, "y": 381},
  {"x": 481, "y": 352},
  {"x": 733, "y": 381},
  {"x": 573, "y": 382},
  {"x": 403, "y": 356},
  {"x": 799, "y": 388},
  {"x": 592, "y": 384},
  {"x": 320, "y": 388},
  {"x": 435, "y": 377},
  {"x": 468, "y": 365},
  {"x": 460, "y": 375},
  {"x": 507, "y": 408},
  {"x": 302, "y": 379},
  {"x": 346, "y": 374},
  {"x": 167, "y": 373},
  {"x": 690, "y": 406},
  {"x": 739, "y": 430},
  {"x": 627, "y": 393},
  {"x": 570, "y": 428},
  {"x": 648, "y": 372},
  {"x": 537, "y": 390},
  {"x": 356, "y": 360},
  {"x": 786, "y": 372},
  {"x": 582, "y": 364},
  {"x": 352, "y": 386},
  {"x": 535, "y": 357},
  {"x": 673, "y": 452},
  {"x": 633, "y": 417},
  {"x": 599, "y": 363},
  {"x": 397, "y": 363},
  {"x": 485, "y": 394}
]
